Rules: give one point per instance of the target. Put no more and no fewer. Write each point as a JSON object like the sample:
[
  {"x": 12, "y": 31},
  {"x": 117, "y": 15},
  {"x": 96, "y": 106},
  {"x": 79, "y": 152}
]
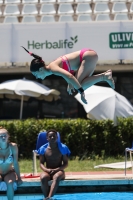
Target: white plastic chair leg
[
  {"x": 34, "y": 164},
  {"x": 131, "y": 161}
]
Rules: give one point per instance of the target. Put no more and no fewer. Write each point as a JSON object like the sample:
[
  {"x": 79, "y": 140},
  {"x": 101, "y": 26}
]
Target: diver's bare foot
[{"x": 107, "y": 76}]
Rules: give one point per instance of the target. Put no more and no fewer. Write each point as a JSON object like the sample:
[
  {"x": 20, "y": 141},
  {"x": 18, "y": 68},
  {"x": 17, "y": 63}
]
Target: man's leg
[
  {"x": 45, "y": 177},
  {"x": 56, "y": 179}
]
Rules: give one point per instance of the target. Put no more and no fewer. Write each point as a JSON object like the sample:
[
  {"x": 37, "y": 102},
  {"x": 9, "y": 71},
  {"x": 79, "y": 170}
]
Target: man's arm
[
  {"x": 42, "y": 161},
  {"x": 65, "y": 162},
  {"x": 63, "y": 166}
]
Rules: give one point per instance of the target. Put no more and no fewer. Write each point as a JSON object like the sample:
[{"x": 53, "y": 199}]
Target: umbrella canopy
[
  {"x": 24, "y": 89},
  {"x": 105, "y": 103}
]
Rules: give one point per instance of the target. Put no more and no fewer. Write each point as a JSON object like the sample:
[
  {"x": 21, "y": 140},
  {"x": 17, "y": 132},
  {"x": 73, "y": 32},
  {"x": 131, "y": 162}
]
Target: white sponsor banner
[
  {"x": 45, "y": 40},
  {"x": 96, "y": 37},
  {"x": 107, "y": 39},
  {"x": 6, "y": 43},
  {"x": 111, "y": 40}
]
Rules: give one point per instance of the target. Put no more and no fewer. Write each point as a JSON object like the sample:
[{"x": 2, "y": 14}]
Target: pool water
[
  {"x": 97, "y": 196},
  {"x": 78, "y": 196}
]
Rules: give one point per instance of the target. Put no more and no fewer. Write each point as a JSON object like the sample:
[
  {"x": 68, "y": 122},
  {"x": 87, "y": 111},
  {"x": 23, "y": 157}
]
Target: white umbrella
[
  {"x": 105, "y": 103},
  {"x": 24, "y": 89}
]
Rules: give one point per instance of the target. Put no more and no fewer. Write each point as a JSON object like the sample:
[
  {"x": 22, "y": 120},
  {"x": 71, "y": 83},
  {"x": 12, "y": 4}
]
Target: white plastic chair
[
  {"x": 11, "y": 9},
  {"x": 47, "y": 1},
  {"x": 10, "y": 19},
  {"x": 29, "y": 1},
  {"x": 83, "y": 8},
  {"x": 130, "y": 151},
  {"x": 29, "y": 19},
  {"x": 12, "y": 1},
  {"x": 66, "y": 18},
  {"x": 121, "y": 17},
  {"x": 29, "y": 9},
  {"x": 102, "y": 17},
  {"x": 101, "y": 7},
  {"x": 131, "y": 8},
  {"x": 84, "y": 18},
  {"x": 119, "y": 7},
  {"x": 47, "y": 18},
  {"x": 47, "y": 9},
  {"x": 65, "y": 8}
]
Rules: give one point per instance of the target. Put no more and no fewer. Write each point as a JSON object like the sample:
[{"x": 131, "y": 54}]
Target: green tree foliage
[{"x": 83, "y": 137}]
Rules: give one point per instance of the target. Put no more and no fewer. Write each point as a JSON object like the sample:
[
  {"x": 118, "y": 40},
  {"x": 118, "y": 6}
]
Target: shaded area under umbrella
[{"x": 23, "y": 89}]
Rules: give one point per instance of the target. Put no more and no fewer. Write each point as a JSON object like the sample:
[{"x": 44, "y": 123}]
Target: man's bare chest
[{"x": 52, "y": 154}]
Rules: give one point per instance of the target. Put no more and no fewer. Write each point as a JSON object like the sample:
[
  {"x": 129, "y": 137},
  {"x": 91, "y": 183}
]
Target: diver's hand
[
  {"x": 83, "y": 98},
  {"x": 70, "y": 89}
]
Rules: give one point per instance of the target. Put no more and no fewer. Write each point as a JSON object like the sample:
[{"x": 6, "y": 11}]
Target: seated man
[{"x": 55, "y": 154}]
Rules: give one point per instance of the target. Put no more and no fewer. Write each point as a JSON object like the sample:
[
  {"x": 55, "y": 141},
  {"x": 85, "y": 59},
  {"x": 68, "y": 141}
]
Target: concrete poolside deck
[
  {"x": 95, "y": 181},
  {"x": 99, "y": 175},
  {"x": 85, "y": 182},
  {"x": 94, "y": 175}
]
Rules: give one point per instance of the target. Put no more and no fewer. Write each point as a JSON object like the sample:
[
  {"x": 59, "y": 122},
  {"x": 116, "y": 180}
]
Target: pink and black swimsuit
[{"x": 66, "y": 64}]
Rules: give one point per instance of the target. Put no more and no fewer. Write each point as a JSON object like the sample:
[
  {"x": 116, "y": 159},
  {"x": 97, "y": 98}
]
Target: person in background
[
  {"x": 9, "y": 167},
  {"x": 55, "y": 155},
  {"x": 76, "y": 68}
]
